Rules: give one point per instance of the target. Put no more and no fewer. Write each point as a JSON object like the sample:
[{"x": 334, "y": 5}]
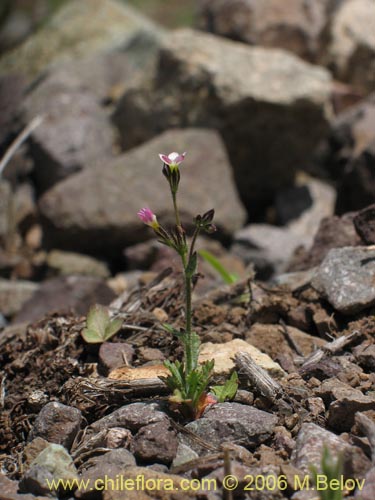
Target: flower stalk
[{"x": 188, "y": 380}]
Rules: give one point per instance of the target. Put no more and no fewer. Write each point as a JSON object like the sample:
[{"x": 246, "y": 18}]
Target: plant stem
[{"x": 177, "y": 215}]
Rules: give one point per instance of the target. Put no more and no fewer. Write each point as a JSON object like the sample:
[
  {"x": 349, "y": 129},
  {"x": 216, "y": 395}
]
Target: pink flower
[
  {"x": 173, "y": 159},
  {"x": 148, "y": 217}
]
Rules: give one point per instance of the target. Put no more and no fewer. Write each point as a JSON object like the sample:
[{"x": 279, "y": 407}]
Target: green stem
[{"x": 177, "y": 215}]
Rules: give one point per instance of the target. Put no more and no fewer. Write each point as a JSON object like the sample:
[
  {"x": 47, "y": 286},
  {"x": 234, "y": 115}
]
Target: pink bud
[{"x": 148, "y": 217}]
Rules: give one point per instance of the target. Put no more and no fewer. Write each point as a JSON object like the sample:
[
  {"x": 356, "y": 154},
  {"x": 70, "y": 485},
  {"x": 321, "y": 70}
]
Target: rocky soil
[{"x": 274, "y": 104}]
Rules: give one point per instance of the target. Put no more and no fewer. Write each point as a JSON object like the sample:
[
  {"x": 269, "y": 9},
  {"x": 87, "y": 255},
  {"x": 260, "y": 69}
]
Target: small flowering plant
[{"x": 188, "y": 380}]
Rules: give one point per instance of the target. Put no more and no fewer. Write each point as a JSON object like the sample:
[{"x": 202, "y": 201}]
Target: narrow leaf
[{"x": 225, "y": 275}]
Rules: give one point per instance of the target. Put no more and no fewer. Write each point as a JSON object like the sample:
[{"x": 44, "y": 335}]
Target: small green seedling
[
  {"x": 99, "y": 326},
  {"x": 331, "y": 469}
]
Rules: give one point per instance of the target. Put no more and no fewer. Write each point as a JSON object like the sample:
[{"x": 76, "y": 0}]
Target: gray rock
[
  {"x": 14, "y": 294},
  {"x": 53, "y": 463},
  {"x": 115, "y": 354},
  {"x": 97, "y": 209},
  {"x": 346, "y": 278},
  {"x": 69, "y": 263},
  {"x": 349, "y": 50},
  {"x": 292, "y": 25},
  {"x": 255, "y": 96},
  {"x": 74, "y": 134},
  {"x": 365, "y": 356},
  {"x": 77, "y": 293},
  {"x": 132, "y": 416},
  {"x": 108, "y": 465},
  {"x": 231, "y": 422},
  {"x": 309, "y": 447},
  {"x": 57, "y": 423},
  {"x": 156, "y": 443},
  {"x": 79, "y": 29}
]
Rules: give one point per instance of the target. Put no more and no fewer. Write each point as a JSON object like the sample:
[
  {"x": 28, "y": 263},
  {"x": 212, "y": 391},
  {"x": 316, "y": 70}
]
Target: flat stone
[
  {"x": 78, "y": 218},
  {"x": 156, "y": 443},
  {"x": 223, "y": 354},
  {"x": 346, "y": 278},
  {"x": 132, "y": 416},
  {"x": 70, "y": 263},
  {"x": 309, "y": 447},
  {"x": 254, "y": 96},
  {"x": 57, "y": 423},
  {"x": 231, "y": 422},
  {"x": 14, "y": 294},
  {"x": 63, "y": 294}
]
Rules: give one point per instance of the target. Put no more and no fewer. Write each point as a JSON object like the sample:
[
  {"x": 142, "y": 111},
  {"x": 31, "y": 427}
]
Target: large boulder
[
  {"x": 74, "y": 133},
  {"x": 96, "y": 210},
  {"x": 270, "y": 106},
  {"x": 293, "y": 25},
  {"x": 79, "y": 29}
]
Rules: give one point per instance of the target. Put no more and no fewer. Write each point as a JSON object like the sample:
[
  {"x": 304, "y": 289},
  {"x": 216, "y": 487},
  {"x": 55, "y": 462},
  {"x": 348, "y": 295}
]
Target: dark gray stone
[
  {"x": 57, "y": 423},
  {"x": 231, "y": 422}
]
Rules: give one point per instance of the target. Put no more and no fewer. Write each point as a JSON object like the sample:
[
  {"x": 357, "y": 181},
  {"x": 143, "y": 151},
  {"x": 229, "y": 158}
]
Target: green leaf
[
  {"x": 99, "y": 326},
  {"x": 192, "y": 265},
  {"x": 225, "y": 275},
  {"x": 98, "y": 320},
  {"x": 228, "y": 390},
  {"x": 113, "y": 327}
]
